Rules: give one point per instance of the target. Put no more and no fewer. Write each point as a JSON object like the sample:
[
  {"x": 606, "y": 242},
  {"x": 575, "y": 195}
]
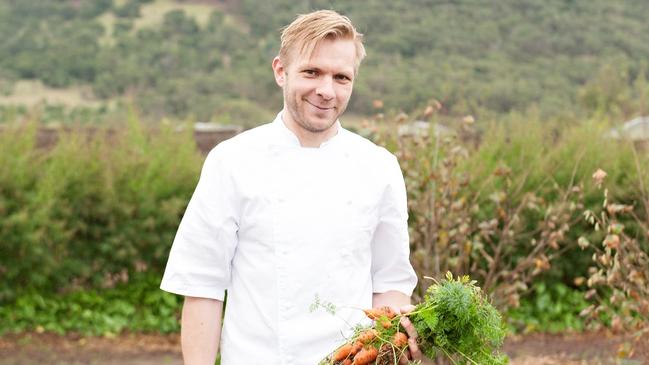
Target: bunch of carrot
[
  {"x": 454, "y": 320},
  {"x": 373, "y": 345}
]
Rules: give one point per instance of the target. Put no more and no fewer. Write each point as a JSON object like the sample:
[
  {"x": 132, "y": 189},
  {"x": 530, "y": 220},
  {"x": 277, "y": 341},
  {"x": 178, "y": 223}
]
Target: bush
[
  {"x": 504, "y": 204},
  {"x": 91, "y": 210},
  {"x": 619, "y": 275}
]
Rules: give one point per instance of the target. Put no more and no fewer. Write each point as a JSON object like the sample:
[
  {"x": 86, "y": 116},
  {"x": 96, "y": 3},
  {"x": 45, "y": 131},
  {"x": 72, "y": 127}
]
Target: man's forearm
[
  {"x": 391, "y": 298},
  {"x": 200, "y": 330}
]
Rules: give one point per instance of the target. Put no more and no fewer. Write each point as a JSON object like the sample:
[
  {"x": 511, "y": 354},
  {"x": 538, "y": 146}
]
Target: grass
[{"x": 33, "y": 92}]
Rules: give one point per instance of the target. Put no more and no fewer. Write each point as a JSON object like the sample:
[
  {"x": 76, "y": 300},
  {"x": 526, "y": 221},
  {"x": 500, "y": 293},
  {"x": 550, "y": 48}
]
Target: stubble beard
[{"x": 301, "y": 119}]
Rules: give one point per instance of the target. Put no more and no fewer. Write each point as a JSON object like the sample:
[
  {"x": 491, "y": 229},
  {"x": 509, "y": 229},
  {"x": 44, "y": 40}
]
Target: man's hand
[
  {"x": 413, "y": 353},
  {"x": 400, "y": 304}
]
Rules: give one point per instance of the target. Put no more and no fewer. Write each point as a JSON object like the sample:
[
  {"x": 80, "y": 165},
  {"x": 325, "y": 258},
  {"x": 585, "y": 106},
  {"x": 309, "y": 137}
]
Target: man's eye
[
  {"x": 343, "y": 78},
  {"x": 310, "y": 72}
]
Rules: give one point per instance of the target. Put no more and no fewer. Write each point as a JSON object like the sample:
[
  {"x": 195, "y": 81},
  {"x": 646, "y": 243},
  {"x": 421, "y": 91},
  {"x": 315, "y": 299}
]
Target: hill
[{"x": 212, "y": 57}]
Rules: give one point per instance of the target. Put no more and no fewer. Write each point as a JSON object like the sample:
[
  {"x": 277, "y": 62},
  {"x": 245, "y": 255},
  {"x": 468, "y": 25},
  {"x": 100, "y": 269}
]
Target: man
[{"x": 293, "y": 214}]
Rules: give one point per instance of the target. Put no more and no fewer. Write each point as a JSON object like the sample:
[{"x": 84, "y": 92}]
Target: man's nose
[{"x": 326, "y": 88}]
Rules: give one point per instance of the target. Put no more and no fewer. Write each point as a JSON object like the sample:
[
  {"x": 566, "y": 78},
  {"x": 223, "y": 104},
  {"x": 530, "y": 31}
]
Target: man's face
[{"x": 317, "y": 88}]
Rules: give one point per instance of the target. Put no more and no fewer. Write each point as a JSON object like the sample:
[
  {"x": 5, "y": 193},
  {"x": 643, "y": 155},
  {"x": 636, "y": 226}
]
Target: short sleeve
[
  {"x": 200, "y": 259},
  {"x": 391, "y": 267}
]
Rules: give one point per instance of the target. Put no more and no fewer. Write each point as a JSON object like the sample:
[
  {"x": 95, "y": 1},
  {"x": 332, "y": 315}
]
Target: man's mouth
[{"x": 320, "y": 107}]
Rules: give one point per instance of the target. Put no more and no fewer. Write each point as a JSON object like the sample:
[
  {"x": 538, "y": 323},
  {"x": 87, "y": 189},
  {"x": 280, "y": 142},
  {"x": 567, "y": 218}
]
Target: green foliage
[
  {"x": 130, "y": 9},
  {"x": 139, "y": 306},
  {"x": 456, "y": 319},
  {"x": 92, "y": 208},
  {"x": 51, "y": 40},
  {"x": 496, "y": 56},
  {"x": 483, "y": 59},
  {"x": 552, "y": 307}
]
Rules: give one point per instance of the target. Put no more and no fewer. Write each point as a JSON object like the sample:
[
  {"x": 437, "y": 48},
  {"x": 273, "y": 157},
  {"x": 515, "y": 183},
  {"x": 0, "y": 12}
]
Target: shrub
[
  {"x": 92, "y": 210},
  {"x": 619, "y": 275},
  {"x": 503, "y": 204}
]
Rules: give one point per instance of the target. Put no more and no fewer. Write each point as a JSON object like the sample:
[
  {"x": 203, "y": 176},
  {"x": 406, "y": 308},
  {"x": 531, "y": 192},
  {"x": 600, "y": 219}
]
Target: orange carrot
[
  {"x": 389, "y": 312},
  {"x": 343, "y": 352},
  {"x": 386, "y": 324},
  {"x": 366, "y": 356},
  {"x": 347, "y": 362},
  {"x": 356, "y": 348},
  {"x": 373, "y": 313},
  {"x": 376, "y": 313},
  {"x": 400, "y": 339},
  {"x": 367, "y": 336}
]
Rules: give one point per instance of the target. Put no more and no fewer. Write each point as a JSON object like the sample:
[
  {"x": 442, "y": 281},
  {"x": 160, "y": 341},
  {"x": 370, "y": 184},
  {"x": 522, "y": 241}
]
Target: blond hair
[{"x": 304, "y": 33}]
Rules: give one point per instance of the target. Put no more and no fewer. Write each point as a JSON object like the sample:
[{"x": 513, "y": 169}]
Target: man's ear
[{"x": 278, "y": 70}]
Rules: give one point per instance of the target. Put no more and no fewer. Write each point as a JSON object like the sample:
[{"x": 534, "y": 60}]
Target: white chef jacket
[{"x": 280, "y": 227}]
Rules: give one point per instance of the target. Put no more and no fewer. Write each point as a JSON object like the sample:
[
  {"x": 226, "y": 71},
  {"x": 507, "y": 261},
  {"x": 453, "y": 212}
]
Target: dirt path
[
  {"x": 577, "y": 349},
  {"x": 538, "y": 349}
]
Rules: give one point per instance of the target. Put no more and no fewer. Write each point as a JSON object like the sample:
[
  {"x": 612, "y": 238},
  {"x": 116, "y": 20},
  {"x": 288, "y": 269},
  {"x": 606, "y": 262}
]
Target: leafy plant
[
  {"x": 552, "y": 307},
  {"x": 457, "y": 320},
  {"x": 619, "y": 277},
  {"x": 137, "y": 306}
]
